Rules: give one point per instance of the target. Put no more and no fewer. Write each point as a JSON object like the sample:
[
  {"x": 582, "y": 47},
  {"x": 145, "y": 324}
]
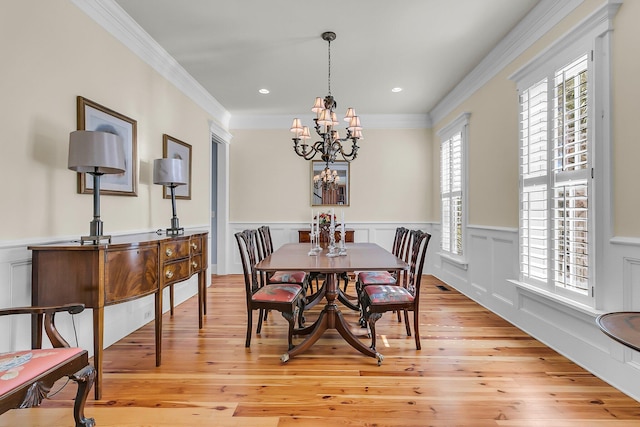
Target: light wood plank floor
[{"x": 474, "y": 369}]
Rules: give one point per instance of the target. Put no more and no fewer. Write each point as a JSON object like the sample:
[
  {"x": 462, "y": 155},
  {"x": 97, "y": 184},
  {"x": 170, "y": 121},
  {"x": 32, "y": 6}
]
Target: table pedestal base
[{"x": 330, "y": 318}]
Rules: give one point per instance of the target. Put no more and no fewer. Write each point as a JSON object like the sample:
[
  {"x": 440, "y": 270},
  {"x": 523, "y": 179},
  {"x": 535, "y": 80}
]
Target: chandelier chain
[{"x": 329, "y": 68}]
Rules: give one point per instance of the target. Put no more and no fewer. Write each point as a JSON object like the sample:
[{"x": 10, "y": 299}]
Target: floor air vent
[{"x": 442, "y": 287}]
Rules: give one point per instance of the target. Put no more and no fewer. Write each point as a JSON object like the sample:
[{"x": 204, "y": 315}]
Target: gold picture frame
[
  {"x": 93, "y": 116},
  {"x": 173, "y": 148}
]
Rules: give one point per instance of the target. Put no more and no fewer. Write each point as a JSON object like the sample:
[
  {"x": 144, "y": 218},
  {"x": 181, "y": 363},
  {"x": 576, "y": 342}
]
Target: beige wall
[
  {"x": 51, "y": 53},
  {"x": 493, "y": 130},
  {"x": 391, "y": 180},
  {"x": 626, "y": 135}
]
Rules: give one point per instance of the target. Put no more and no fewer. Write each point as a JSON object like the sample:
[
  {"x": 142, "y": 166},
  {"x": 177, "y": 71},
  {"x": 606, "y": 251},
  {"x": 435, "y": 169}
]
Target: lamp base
[
  {"x": 175, "y": 231},
  {"x": 94, "y": 240}
]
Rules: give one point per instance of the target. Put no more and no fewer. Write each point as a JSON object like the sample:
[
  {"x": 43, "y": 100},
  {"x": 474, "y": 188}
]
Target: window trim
[
  {"x": 459, "y": 124},
  {"x": 592, "y": 35}
]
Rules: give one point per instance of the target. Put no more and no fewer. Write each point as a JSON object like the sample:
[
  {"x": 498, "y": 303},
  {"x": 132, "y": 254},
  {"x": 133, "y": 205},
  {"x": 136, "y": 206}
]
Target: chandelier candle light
[{"x": 326, "y": 122}]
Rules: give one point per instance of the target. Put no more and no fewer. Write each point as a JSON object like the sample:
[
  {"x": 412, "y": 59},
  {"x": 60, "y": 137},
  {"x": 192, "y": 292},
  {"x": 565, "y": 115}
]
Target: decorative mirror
[{"x": 329, "y": 183}]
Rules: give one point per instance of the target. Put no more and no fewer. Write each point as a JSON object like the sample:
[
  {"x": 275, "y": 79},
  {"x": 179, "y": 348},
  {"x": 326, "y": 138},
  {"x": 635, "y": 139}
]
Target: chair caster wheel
[
  {"x": 284, "y": 358},
  {"x": 380, "y": 358}
]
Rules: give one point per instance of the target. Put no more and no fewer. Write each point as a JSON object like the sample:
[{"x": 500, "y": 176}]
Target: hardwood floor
[{"x": 474, "y": 369}]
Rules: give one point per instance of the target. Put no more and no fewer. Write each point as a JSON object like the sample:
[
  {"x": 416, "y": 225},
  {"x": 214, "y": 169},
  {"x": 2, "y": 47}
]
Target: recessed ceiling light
[
  {"x": 264, "y": 91},
  {"x": 396, "y": 89}
]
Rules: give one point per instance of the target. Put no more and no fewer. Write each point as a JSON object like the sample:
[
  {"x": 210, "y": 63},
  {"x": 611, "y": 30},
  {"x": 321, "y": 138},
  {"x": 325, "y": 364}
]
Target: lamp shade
[
  {"x": 169, "y": 172},
  {"x": 96, "y": 152}
]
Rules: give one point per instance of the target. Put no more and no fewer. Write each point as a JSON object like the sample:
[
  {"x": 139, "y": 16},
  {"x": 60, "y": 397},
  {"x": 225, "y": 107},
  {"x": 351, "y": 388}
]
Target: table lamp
[
  {"x": 171, "y": 172},
  {"x": 96, "y": 153}
]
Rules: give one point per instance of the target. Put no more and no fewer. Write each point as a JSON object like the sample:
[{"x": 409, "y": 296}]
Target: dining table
[{"x": 358, "y": 257}]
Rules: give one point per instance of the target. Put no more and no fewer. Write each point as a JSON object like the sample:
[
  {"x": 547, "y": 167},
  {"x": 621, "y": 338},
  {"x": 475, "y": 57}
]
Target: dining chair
[
  {"x": 302, "y": 278},
  {"x": 266, "y": 246},
  {"x": 378, "y": 299},
  {"x": 366, "y": 278},
  {"x": 27, "y": 376},
  {"x": 283, "y": 297}
]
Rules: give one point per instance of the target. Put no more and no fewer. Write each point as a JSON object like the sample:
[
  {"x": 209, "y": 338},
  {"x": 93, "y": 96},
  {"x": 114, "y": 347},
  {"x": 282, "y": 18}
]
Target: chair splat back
[
  {"x": 247, "y": 244},
  {"x": 380, "y": 298},
  {"x": 265, "y": 240},
  {"x": 263, "y": 296},
  {"x": 418, "y": 250}
]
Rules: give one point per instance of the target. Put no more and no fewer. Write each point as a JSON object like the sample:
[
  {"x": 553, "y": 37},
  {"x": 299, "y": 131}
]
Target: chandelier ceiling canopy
[{"x": 326, "y": 122}]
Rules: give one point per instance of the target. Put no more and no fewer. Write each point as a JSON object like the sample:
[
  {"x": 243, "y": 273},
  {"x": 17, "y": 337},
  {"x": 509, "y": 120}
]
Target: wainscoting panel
[
  {"x": 631, "y": 289},
  {"x": 631, "y": 301},
  {"x": 480, "y": 277},
  {"x": 15, "y": 272},
  {"x": 492, "y": 257}
]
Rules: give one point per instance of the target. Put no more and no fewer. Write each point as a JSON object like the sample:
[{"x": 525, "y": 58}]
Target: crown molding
[
  {"x": 110, "y": 16},
  {"x": 369, "y": 121},
  {"x": 544, "y": 16}
]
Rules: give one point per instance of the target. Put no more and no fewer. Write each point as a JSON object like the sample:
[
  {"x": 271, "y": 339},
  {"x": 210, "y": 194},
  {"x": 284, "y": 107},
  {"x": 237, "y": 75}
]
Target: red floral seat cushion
[
  {"x": 376, "y": 278},
  {"x": 288, "y": 277},
  {"x": 277, "y": 293},
  {"x": 388, "y": 294},
  {"x": 20, "y": 367}
]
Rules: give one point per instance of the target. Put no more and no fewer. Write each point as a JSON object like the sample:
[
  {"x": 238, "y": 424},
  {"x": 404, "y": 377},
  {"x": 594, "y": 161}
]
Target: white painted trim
[
  {"x": 541, "y": 19},
  {"x": 566, "y": 302},
  {"x": 369, "y": 121},
  {"x": 492, "y": 228},
  {"x": 459, "y": 261},
  {"x": 110, "y": 16},
  {"x": 595, "y": 25},
  {"x": 625, "y": 241}
]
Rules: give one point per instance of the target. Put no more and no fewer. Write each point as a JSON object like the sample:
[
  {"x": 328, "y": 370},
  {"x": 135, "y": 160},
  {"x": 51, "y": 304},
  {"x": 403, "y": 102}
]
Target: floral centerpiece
[{"x": 325, "y": 218}]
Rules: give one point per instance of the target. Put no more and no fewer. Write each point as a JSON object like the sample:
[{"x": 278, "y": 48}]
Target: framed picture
[
  {"x": 93, "y": 116},
  {"x": 173, "y": 148}
]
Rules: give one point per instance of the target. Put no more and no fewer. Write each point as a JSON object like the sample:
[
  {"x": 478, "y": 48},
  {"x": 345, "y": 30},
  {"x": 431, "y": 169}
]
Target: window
[
  {"x": 560, "y": 136},
  {"x": 453, "y": 186},
  {"x": 554, "y": 146}
]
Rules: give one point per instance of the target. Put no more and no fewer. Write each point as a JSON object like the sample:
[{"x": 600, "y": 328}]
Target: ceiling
[{"x": 234, "y": 48}]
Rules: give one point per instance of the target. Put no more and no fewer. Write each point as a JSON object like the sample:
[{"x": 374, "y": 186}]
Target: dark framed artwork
[
  {"x": 173, "y": 148},
  {"x": 93, "y": 116}
]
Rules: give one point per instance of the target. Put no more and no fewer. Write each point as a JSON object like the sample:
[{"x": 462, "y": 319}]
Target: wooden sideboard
[
  {"x": 129, "y": 267},
  {"x": 303, "y": 236}
]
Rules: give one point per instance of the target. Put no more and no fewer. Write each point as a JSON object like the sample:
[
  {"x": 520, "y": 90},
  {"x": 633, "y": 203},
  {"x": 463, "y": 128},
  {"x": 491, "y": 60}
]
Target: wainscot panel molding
[
  {"x": 570, "y": 329},
  {"x": 119, "y": 320}
]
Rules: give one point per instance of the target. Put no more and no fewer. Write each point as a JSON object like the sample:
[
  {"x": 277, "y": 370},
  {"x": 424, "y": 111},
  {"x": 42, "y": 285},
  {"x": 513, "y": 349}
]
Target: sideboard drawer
[
  {"x": 195, "y": 245},
  {"x": 174, "y": 249},
  {"x": 176, "y": 271},
  {"x": 196, "y": 264}
]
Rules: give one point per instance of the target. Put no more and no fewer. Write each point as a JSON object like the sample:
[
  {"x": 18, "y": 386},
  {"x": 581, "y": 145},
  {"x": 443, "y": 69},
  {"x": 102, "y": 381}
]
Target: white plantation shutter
[
  {"x": 534, "y": 176},
  {"x": 571, "y": 172},
  {"x": 565, "y": 130},
  {"x": 555, "y": 180},
  {"x": 451, "y": 193}
]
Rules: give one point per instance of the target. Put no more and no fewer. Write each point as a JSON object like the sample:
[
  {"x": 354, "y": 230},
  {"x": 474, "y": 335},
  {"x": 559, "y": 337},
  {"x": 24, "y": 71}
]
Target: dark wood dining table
[
  {"x": 359, "y": 257},
  {"x": 622, "y": 326}
]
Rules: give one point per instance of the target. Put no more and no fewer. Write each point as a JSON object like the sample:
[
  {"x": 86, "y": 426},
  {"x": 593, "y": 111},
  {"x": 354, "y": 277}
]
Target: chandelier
[
  {"x": 327, "y": 179},
  {"x": 326, "y": 122}
]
